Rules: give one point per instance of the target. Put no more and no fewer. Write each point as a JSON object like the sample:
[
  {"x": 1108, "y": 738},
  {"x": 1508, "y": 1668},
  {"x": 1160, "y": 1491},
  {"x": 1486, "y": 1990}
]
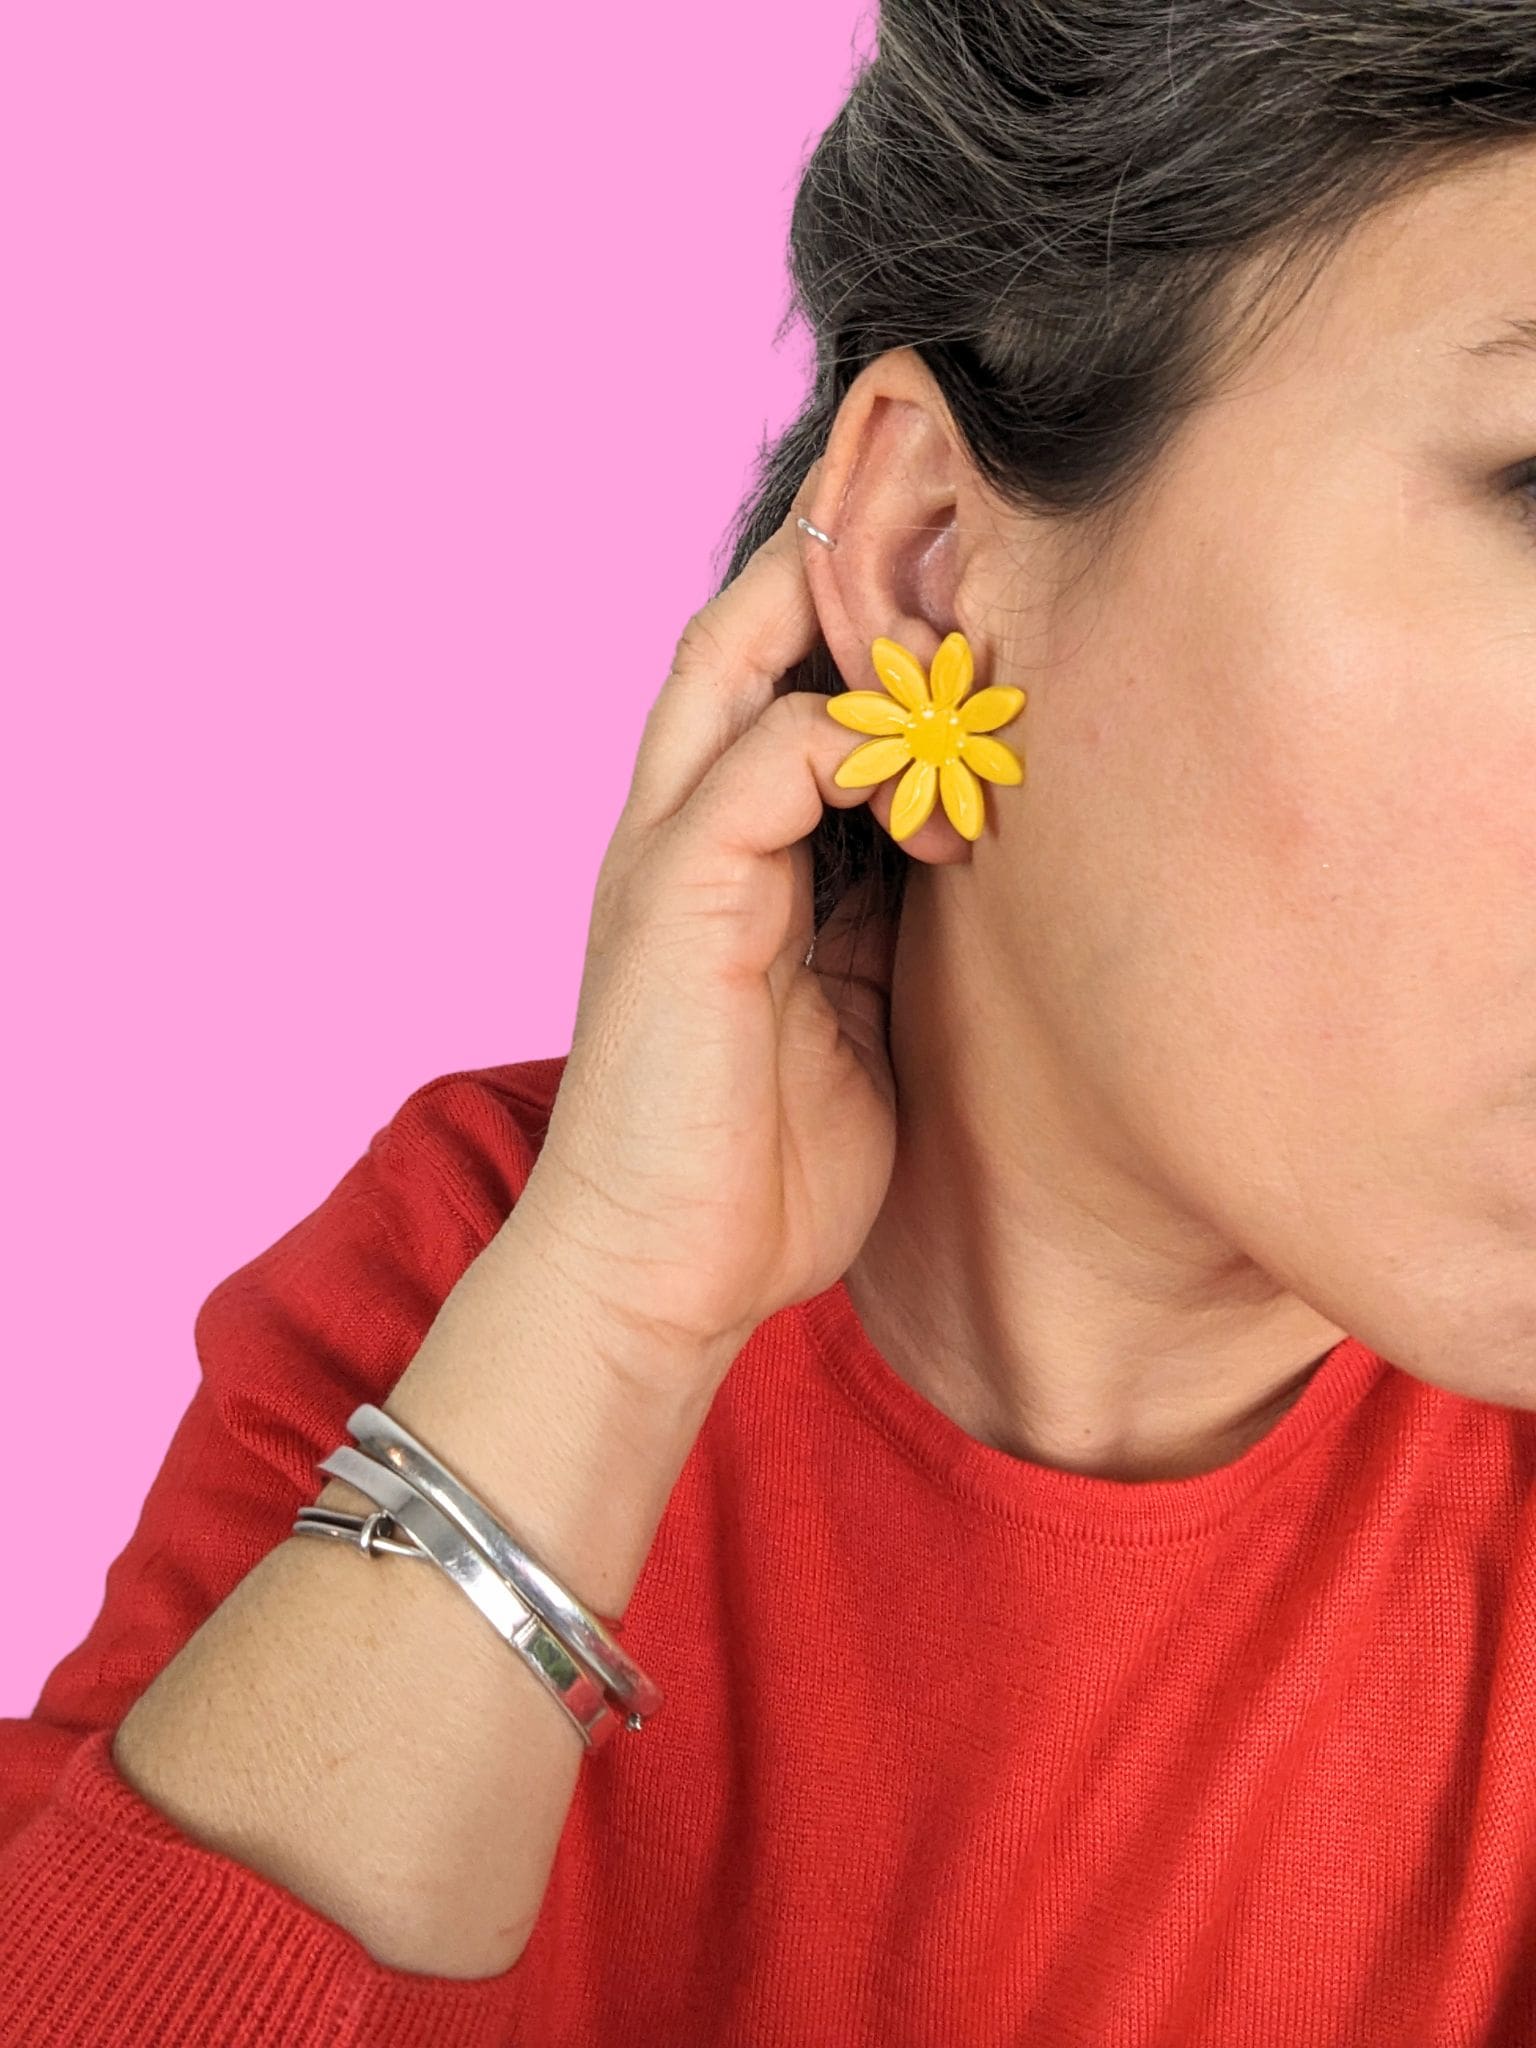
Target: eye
[{"x": 1522, "y": 482}]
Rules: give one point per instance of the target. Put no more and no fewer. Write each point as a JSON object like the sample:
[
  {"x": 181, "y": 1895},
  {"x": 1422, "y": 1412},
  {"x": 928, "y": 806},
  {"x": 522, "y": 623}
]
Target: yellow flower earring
[{"x": 928, "y": 726}]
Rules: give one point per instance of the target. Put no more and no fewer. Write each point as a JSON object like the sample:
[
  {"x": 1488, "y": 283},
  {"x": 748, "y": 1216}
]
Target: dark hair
[{"x": 1074, "y": 213}]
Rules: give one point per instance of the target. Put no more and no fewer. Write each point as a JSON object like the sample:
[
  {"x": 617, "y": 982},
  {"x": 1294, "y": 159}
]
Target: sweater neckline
[{"x": 1075, "y": 1504}]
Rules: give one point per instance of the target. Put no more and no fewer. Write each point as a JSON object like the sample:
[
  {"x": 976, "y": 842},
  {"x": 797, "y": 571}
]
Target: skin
[{"x": 1220, "y": 1042}]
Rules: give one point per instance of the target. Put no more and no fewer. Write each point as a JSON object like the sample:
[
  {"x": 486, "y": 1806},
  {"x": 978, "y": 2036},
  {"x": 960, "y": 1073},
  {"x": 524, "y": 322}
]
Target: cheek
[
  {"x": 1374, "y": 892},
  {"x": 1283, "y": 855},
  {"x": 1274, "y": 941}
]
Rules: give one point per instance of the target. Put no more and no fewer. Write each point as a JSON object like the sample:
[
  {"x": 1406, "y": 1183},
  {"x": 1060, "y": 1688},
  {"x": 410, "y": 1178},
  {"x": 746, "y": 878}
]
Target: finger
[
  {"x": 855, "y": 956},
  {"x": 731, "y": 655},
  {"x": 853, "y": 951},
  {"x": 769, "y": 788},
  {"x": 721, "y": 858}
]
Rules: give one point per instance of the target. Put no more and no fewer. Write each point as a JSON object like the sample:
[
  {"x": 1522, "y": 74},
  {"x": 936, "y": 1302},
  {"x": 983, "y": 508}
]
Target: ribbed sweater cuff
[{"x": 115, "y": 1926}]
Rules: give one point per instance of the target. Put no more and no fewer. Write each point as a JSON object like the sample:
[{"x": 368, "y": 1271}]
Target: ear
[{"x": 893, "y": 477}]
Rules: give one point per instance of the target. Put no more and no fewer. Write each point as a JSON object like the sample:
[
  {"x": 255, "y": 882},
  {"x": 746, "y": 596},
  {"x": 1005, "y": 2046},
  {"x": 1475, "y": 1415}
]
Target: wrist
[
  {"x": 541, "y": 1252},
  {"x": 573, "y": 1428}
]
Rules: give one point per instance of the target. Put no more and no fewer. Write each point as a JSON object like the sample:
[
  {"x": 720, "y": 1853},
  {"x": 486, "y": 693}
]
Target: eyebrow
[{"x": 1517, "y": 337}]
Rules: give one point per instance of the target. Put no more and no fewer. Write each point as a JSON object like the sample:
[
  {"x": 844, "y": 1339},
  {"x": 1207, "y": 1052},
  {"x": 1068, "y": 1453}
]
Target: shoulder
[
  {"x": 474, "y": 1134},
  {"x": 420, "y": 1201}
]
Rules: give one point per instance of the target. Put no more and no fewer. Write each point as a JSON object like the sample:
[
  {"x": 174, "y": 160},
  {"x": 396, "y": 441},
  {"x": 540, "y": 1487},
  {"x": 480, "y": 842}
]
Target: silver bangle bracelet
[
  {"x": 567, "y": 1681},
  {"x": 582, "y": 1632},
  {"x": 368, "y": 1533}
]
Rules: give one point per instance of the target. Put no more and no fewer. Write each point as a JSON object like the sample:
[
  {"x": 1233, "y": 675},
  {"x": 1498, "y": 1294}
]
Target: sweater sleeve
[{"x": 114, "y": 1925}]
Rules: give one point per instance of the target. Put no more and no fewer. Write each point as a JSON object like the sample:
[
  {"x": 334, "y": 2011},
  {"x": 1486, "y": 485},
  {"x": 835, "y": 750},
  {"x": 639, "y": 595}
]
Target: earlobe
[
  {"x": 886, "y": 552},
  {"x": 928, "y": 729}
]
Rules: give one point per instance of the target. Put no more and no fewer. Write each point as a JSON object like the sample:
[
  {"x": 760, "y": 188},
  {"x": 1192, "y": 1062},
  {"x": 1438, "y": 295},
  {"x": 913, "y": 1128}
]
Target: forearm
[{"x": 352, "y": 1727}]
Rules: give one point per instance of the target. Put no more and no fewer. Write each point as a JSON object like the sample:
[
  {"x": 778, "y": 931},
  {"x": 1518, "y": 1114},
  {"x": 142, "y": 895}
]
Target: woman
[{"x": 1047, "y": 1381}]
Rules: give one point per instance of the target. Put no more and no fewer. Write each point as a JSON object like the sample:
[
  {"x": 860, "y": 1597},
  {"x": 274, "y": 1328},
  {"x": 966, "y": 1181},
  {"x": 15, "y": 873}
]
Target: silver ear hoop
[
  {"x": 816, "y": 533},
  {"x": 827, "y": 542}
]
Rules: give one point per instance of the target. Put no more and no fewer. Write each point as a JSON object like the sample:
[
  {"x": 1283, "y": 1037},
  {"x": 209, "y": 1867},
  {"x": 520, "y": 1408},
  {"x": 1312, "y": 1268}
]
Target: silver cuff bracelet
[{"x": 570, "y": 1650}]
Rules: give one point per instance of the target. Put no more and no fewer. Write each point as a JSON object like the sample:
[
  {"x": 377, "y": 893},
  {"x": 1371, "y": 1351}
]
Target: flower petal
[
  {"x": 913, "y": 801},
  {"x": 867, "y": 711},
  {"x": 991, "y": 758},
  {"x": 952, "y": 673},
  {"x": 963, "y": 804},
  {"x": 902, "y": 674},
  {"x": 989, "y": 709},
  {"x": 872, "y": 763}
]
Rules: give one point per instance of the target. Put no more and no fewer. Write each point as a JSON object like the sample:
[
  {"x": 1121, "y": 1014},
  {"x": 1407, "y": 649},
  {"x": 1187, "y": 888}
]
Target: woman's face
[{"x": 1275, "y": 869}]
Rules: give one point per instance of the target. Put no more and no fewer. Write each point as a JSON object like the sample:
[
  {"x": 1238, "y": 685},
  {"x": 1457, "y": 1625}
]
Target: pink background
[{"x": 378, "y": 385}]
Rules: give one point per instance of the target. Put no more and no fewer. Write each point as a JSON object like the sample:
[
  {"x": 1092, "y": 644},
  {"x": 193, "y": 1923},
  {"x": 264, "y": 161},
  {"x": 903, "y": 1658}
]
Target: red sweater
[{"x": 956, "y": 1749}]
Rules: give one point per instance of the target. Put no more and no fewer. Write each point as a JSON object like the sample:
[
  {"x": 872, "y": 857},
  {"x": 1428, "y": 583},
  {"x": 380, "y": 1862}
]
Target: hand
[{"x": 724, "y": 1131}]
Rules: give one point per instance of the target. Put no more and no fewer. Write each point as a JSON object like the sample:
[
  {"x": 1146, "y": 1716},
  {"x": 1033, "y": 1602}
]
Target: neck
[{"x": 1027, "y": 1273}]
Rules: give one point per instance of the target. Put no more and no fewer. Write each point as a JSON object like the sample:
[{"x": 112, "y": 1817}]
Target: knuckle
[
  {"x": 608, "y": 890},
  {"x": 792, "y": 712},
  {"x": 702, "y": 643},
  {"x": 619, "y": 877}
]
